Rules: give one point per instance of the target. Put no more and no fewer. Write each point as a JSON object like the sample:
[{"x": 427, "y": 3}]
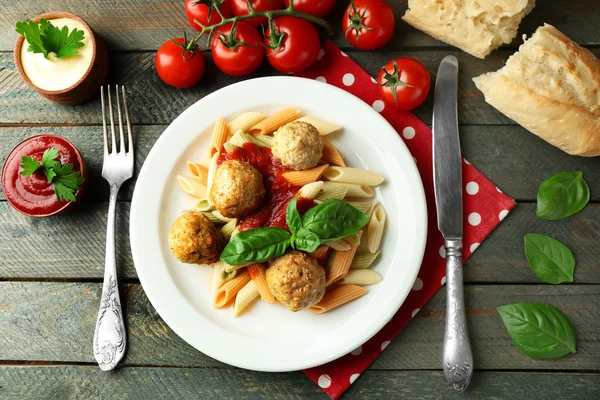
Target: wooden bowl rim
[
  {"x": 83, "y": 171},
  {"x": 19, "y": 44}
]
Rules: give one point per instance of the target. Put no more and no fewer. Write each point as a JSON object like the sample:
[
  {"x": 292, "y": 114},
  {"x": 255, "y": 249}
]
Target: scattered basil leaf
[
  {"x": 256, "y": 245},
  {"x": 306, "y": 240},
  {"x": 333, "y": 219},
  {"x": 551, "y": 260},
  {"x": 540, "y": 331},
  {"x": 292, "y": 216},
  {"x": 562, "y": 195}
]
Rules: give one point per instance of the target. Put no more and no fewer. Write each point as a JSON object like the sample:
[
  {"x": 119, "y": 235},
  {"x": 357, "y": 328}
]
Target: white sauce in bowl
[{"x": 58, "y": 73}]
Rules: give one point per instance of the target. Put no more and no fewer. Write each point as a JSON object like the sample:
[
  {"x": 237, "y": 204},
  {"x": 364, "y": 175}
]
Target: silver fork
[{"x": 110, "y": 336}]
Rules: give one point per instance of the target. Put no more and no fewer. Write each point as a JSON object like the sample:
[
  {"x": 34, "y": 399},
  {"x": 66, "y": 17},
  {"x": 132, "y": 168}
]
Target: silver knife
[{"x": 447, "y": 180}]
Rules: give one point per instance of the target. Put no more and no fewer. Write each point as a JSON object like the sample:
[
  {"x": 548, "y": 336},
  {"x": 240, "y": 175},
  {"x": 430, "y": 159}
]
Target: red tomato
[
  {"x": 368, "y": 24},
  {"x": 318, "y": 8},
  {"x": 238, "y": 51},
  {"x": 177, "y": 66},
  {"x": 195, "y": 9},
  {"x": 293, "y": 46},
  {"x": 240, "y": 7},
  {"x": 404, "y": 83}
]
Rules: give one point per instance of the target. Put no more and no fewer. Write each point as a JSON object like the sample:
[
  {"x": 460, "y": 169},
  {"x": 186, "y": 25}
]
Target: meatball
[
  {"x": 193, "y": 239},
  {"x": 296, "y": 280},
  {"x": 237, "y": 189},
  {"x": 298, "y": 145}
]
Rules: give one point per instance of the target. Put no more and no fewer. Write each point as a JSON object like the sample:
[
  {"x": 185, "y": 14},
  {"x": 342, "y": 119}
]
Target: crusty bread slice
[
  {"x": 551, "y": 86},
  {"x": 475, "y": 26}
]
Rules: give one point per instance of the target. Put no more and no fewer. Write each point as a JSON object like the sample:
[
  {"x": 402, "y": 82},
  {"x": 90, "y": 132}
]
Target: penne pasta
[
  {"x": 275, "y": 121},
  {"x": 220, "y": 276},
  {"x": 219, "y": 136},
  {"x": 340, "y": 245},
  {"x": 353, "y": 175},
  {"x": 191, "y": 186},
  {"x": 259, "y": 276},
  {"x": 332, "y": 190},
  {"x": 221, "y": 217},
  {"x": 200, "y": 172},
  {"x": 336, "y": 297},
  {"x": 359, "y": 191},
  {"x": 245, "y": 297},
  {"x": 361, "y": 277},
  {"x": 212, "y": 217},
  {"x": 331, "y": 154},
  {"x": 212, "y": 170},
  {"x": 324, "y": 127},
  {"x": 264, "y": 140},
  {"x": 229, "y": 147},
  {"x": 362, "y": 206},
  {"x": 375, "y": 228},
  {"x": 354, "y": 238},
  {"x": 340, "y": 264},
  {"x": 204, "y": 205},
  {"x": 364, "y": 260},
  {"x": 310, "y": 190},
  {"x": 301, "y": 178},
  {"x": 204, "y": 162},
  {"x": 230, "y": 289},
  {"x": 245, "y": 121},
  {"x": 228, "y": 229},
  {"x": 240, "y": 138},
  {"x": 321, "y": 254}
]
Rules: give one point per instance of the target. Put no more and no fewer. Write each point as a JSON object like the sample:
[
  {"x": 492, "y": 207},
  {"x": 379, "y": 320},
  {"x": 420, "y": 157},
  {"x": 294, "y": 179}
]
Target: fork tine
[
  {"x": 112, "y": 122},
  {"x": 129, "y": 135},
  {"x": 121, "y": 133},
  {"x": 104, "y": 121}
]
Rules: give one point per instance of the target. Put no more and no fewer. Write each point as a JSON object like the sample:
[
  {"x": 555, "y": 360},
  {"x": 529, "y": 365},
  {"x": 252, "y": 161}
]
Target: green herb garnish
[
  {"x": 46, "y": 38},
  {"x": 551, "y": 260},
  {"x": 66, "y": 182},
  {"x": 562, "y": 195}
]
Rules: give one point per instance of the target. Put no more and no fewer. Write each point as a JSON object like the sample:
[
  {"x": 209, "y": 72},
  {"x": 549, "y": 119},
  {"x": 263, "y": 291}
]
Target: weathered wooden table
[{"x": 51, "y": 269}]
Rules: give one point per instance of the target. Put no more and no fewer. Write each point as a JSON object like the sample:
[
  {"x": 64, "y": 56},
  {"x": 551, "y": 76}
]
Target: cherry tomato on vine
[
  {"x": 237, "y": 50},
  {"x": 205, "y": 12},
  {"x": 293, "y": 45},
  {"x": 404, "y": 83},
  {"x": 318, "y": 8},
  {"x": 180, "y": 65},
  {"x": 240, "y": 7},
  {"x": 368, "y": 24}
]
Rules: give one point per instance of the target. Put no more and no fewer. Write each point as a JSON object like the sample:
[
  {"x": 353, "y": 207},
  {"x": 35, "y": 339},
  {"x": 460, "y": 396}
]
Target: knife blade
[{"x": 447, "y": 177}]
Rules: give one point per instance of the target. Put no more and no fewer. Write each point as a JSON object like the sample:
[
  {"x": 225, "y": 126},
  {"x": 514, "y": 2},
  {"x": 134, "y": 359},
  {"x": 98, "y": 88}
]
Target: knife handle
[{"x": 458, "y": 357}]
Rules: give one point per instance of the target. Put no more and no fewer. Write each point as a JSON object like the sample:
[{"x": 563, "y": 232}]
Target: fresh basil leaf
[
  {"x": 551, "y": 260},
  {"x": 540, "y": 331},
  {"x": 306, "y": 240},
  {"x": 292, "y": 216},
  {"x": 562, "y": 195},
  {"x": 256, "y": 245},
  {"x": 333, "y": 219}
]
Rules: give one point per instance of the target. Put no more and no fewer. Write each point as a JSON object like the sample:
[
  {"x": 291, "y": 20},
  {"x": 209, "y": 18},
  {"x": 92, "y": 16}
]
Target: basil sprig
[
  {"x": 325, "y": 223},
  {"x": 551, "y": 260},
  {"x": 540, "y": 331},
  {"x": 562, "y": 195}
]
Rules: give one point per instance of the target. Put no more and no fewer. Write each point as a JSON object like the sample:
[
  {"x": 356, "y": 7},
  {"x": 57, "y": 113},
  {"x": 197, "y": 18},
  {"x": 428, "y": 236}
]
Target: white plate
[{"x": 269, "y": 337}]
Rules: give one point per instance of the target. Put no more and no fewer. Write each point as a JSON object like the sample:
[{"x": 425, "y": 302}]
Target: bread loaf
[
  {"x": 551, "y": 86},
  {"x": 475, "y": 26}
]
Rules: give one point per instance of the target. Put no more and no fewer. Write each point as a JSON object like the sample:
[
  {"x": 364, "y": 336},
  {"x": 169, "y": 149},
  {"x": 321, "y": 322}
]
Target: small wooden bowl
[{"x": 88, "y": 86}]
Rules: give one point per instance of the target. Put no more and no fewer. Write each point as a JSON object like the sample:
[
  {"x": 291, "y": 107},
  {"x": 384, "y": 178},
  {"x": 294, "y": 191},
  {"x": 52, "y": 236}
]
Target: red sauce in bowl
[
  {"x": 33, "y": 195},
  {"x": 278, "y": 190}
]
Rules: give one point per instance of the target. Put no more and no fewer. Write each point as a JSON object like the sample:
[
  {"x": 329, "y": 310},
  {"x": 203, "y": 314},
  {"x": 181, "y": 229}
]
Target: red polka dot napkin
[{"x": 484, "y": 207}]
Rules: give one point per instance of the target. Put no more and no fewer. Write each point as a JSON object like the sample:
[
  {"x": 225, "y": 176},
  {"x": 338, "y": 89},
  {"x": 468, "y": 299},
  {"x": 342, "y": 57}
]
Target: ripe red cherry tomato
[
  {"x": 240, "y": 7},
  {"x": 368, "y": 24},
  {"x": 179, "y": 67},
  {"x": 194, "y": 9},
  {"x": 404, "y": 83},
  {"x": 293, "y": 46},
  {"x": 238, "y": 51},
  {"x": 318, "y": 8}
]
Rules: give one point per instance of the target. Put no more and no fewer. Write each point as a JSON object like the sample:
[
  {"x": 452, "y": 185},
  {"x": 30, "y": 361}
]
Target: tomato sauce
[
  {"x": 278, "y": 190},
  {"x": 33, "y": 195}
]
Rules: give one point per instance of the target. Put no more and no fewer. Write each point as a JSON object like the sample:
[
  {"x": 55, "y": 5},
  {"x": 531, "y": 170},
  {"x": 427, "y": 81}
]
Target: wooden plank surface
[
  {"x": 72, "y": 246},
  {"x": 134, "y": 383},
  {"x": 146, "y": 24},
  {"x": 153, "y": 102},
  {"x": 55, "y": 321}
]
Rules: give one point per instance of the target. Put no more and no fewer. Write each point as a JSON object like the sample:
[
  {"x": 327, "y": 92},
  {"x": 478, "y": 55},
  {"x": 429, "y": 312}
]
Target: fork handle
[
  {"x": 458, "y": 357},
  {"x": 109, "y": 336}
]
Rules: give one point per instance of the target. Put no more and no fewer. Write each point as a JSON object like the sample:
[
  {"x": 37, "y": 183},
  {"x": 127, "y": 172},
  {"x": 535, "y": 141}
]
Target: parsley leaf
[
  {"x": 29, "y": 165},
  {"x": 46, "y": 38},
  {"x": 47, "y": 162}
]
